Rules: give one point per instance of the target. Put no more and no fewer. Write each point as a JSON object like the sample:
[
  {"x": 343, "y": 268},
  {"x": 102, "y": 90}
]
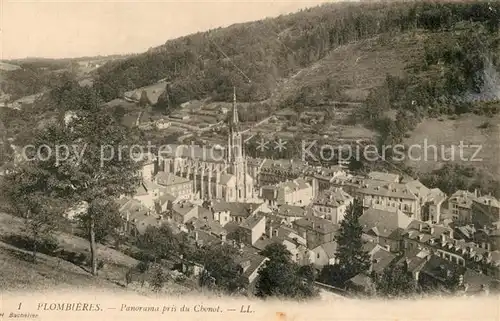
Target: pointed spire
[{"x": 235, "y": 109}]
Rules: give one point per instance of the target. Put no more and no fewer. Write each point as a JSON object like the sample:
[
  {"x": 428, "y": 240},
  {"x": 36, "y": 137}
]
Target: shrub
[
  {"x": 485, "y": 125},
  {"x": 48, "y": 245},
  {"x": 82, "y": 259}
]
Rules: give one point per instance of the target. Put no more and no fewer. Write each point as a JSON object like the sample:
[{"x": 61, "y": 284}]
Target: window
[{"x": 317, "y": 256}]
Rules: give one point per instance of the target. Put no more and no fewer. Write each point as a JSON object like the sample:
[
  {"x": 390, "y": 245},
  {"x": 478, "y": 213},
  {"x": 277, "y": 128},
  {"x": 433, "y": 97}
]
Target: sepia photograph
[{"x": 257, "y": 160}]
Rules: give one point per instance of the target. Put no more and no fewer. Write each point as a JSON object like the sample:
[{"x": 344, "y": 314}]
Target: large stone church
[{"x": 221, "y": 174}]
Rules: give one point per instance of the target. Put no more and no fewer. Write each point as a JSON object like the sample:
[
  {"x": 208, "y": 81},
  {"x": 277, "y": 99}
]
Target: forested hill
[{"x": 209, "y": 63}]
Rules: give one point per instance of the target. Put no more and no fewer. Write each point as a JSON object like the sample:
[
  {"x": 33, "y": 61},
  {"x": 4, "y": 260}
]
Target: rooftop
[
  {"x": 383, "y": 223},
  {"x": 235, "y": 209},
  {"x": 184, "y": 208},
  {"x": 395, "y": 190},
  {"x": 169, "y": 179},
  {"x": 291, "y": 210},
  {"x": 252, "y": 221},
  {"x": 386, "y": 177},
  {"x": 317, "y": 224},
  {"x": 333, "y": 197}
]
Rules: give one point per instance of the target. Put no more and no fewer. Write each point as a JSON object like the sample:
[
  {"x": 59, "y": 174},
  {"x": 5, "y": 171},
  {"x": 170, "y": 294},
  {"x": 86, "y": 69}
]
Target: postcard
[{"x": 250, "y": 160}]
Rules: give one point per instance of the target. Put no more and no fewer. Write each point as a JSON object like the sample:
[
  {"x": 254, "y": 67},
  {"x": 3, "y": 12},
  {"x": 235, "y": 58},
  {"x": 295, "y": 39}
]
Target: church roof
[
  {"x": 209, "y": 154},
  {"x": 167, "y": 179}
]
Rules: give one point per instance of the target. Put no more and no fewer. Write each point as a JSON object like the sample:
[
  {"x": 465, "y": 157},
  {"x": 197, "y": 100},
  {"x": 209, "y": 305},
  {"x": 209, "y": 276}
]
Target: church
[{"x": 217, "y": 174}]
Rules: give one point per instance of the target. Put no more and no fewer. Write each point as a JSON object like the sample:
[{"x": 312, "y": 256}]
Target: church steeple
[
  {"x": 235, "y": 144},
  {"x": 235, "y": 119}
]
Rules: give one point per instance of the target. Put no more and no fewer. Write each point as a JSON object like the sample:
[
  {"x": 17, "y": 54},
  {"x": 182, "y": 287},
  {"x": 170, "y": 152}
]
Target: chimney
[
  {"x": 488, "y": 247},
  {"x": 475, "y": 192},
  {"x": 420, "y": 227},
  {"x": 443, "y": 239},
  {"x": 196, "y": 235},
  {"x": 432, "y": 230}
]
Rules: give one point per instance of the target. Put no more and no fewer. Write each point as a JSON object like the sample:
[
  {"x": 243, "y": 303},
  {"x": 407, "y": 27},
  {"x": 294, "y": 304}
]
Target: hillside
[
  {"x": 340, "y": 73},
  {"x": 18, "y": 272},
  {"x": 254, "y": 56}
]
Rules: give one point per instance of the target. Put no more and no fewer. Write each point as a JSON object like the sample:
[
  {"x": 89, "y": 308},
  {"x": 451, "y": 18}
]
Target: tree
[
  {"x": 158, "y": 280},
  {"x": 332, "y": 275},
  {"x": 221, "y": 269},
  {"x": 119, "y": 112},
  {"x": 158, "y": 242},
  {"x": 281, "y": 277},
  {"x": 93, "y": 163},
  {"x": 352, "y": 258},
  {"x": 107, "y": 218},
  {"x": 308, "y": 272},
  {"x": 28, "y": 190},
  {"x": 276, "y": 251},
  {"x": 103, "y": 172},
  {"x": 395, "y": 281}
]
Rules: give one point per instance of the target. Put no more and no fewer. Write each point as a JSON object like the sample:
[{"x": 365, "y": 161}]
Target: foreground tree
[
  {"x": 158, "y": 279},
  {"x": 28, "y": 190},
  {"x": 350, "y": 254},
  {"x": 332, "y": 275},
  {"x": 85, "y": 160},
  {"x": 107, "y": 218},
  {"x": 221, "y": 269},
  {"x": 158, "y": 242},
  {"x": 395, "y": 281},
  {"x": 276, "y": 251},
  {"x": 281, "y": 277}
]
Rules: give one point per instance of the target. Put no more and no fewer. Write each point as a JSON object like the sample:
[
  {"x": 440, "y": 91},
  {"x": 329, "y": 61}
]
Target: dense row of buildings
[{"x": 222, "y": 196}]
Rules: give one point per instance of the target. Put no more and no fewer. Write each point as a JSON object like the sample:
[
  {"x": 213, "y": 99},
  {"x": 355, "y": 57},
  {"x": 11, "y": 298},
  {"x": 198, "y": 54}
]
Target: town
[
  {"x": 254, "y": 195},
  {"x": 251, "y": 203}
]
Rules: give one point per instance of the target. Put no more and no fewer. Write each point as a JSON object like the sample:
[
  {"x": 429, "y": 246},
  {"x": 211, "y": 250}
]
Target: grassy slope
[
  {"x": 358, "y": 67},
  {"x": 17, "y": 272},
  {"x": 450, "y": 132}
]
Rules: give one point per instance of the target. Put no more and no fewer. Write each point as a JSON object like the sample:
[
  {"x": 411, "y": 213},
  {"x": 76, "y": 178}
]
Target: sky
[{"x": 70, "y": 28}]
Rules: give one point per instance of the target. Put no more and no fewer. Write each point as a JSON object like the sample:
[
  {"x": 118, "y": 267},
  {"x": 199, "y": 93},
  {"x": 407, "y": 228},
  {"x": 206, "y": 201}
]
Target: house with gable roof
[
  {"x": 332, "y": 204},
  {"x": 440, "y": 241},
  {"x": 391, "y": 197},
  {"x": 315, "y": 230},
  {"x": 385, "y": 228},
  {"x": 324, "y": 254},
  {"x": 298, "y": 192}
]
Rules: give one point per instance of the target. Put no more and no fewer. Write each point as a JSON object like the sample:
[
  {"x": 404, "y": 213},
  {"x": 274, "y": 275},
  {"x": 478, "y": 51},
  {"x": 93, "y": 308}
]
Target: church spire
[{"x": 235, "y": 109}]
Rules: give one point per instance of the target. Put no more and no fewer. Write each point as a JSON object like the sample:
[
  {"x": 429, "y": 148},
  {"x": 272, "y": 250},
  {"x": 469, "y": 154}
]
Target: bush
[
  {"x": 143, "y": 266},
  {"x": 485, "y": 125},
  {"x": 48, "y": 245},
  {"x": 82, "y": 259}
]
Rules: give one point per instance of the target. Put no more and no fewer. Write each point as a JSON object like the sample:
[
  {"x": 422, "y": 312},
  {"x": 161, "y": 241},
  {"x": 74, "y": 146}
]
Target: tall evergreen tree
[{"x": 352, "y": 258}]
